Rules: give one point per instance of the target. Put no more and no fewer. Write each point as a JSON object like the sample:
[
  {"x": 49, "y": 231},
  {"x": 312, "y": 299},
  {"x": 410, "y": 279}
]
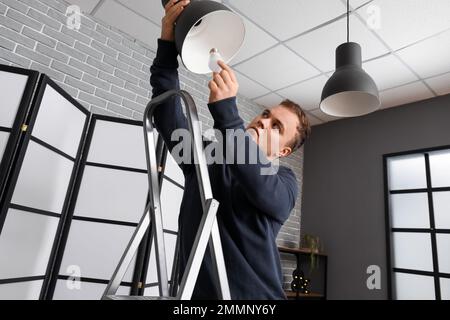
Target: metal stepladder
[{"x": 208, "y": 231}]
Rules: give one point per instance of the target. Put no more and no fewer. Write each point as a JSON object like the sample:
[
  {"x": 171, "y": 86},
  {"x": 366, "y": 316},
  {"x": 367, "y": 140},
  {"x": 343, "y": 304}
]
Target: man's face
[{"x": 273, "y": 130}]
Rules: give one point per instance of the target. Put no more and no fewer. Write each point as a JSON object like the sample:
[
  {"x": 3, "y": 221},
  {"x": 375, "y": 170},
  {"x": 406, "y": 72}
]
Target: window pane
[
  {"x": 443, "y": 249},
  {"x": 412, "y": 251},
  {"x": 12, "y": 87},
  {"x": 407, "y": 172},
  {"x": 25, "y": 244},
  {"x": 59, "y": 123},
  {"x": 410, "y": 210},
  {"x": 43, "y": 180},
  {"x": 112, "y": 194},
  {"x": 440, "y": 168},
  {"x": 445, "y": 288},
  {"x": 4, "y": 136},
  {"x": 29, "y": 290},
  {"x": 441, "y": 205},
  {"x": 413, "y": 287}
]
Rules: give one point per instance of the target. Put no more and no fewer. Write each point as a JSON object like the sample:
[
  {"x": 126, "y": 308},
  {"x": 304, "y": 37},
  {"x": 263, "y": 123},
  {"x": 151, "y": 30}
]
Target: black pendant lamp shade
[
  {"x": 204, "y": 25},
  {"x": 350, "y": 91}
]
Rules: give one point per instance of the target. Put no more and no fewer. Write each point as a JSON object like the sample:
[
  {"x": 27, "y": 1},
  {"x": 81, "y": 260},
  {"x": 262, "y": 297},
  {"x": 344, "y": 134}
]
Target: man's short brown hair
[{"x": 303, "y": 129}]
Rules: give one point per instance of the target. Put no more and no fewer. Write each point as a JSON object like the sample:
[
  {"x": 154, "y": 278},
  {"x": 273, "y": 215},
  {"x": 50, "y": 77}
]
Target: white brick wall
[{"x": 107, "y": 71}]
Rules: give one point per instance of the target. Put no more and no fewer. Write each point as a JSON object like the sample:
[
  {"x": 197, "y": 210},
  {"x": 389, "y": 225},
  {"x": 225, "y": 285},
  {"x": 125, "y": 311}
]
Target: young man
[{"x": 253, "y": 206}]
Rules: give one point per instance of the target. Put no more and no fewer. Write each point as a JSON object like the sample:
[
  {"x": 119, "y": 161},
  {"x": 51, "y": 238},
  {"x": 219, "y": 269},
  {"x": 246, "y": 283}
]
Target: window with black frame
[{"x": 418, "y": 224}]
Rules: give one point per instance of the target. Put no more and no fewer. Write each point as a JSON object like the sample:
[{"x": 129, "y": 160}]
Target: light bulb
[{"x": 214, "y": 57}]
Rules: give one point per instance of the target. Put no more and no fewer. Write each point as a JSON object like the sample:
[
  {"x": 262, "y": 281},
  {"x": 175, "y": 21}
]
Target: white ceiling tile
[
  {"x": 313, "y": 120},
  {"x": 430, "y": 57},
  {"x": 256, "y": 40},
  {"x": 322, "y": 115},
  {"x": 269, "y": 100},
  {"x": 356, "y": 3},
  {"x": 406, "y": 21},
  {"x": 152, "y": 9},
  {"x": 405, "y": 94},
  {"x": 319, "y": 46},
  {"x": 389, "y": 72},
  {"x": 124, "y": 19},
  {"x": 287, "y": 18},
  {"x": 306, "y": 93},
  {"x": 440, "y": 84},
  {"x": 249, "y": 88},
  {"x": 86, "y": 5},
  {"x": 277, "y": 68}
]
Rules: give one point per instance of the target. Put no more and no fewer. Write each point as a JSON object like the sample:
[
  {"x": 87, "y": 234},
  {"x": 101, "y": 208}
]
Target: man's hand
[
  {"x": 173, "y": 9},
  {"x": 223, "y": 84}
]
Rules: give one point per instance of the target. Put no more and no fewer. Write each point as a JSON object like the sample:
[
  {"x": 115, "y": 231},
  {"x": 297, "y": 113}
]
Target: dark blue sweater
[{"x": 252, "y": 206}]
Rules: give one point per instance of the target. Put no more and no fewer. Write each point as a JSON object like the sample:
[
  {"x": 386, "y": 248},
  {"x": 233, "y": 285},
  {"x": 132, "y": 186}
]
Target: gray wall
[
  {"x": 107, "y": 71},
  {"x": 343, "y": 199}
]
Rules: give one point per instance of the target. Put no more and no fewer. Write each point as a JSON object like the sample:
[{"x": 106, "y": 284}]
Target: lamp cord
[{"x": 348, "y": 21}]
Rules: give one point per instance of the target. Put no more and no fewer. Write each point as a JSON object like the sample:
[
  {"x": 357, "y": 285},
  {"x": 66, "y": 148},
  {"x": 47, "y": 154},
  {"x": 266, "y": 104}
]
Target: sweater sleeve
[
  {"x": 271, "y": 189},
  {"x": 164, "y": 77}
]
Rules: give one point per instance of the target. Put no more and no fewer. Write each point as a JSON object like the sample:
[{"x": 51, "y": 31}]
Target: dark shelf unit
[{"x": 304, "y": 253}]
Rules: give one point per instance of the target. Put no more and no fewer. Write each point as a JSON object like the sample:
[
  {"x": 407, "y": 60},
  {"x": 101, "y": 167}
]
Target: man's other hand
[
  {"x": 223, "y": 84},
  {"x": 173, "y": 9}
]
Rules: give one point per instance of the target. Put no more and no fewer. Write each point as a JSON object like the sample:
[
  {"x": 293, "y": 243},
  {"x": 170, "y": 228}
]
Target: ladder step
[{"x": 118, "y": 297}]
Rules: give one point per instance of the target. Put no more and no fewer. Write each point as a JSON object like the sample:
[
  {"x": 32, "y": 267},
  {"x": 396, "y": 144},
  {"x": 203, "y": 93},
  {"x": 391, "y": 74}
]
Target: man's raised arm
[{"x": 164, "y": 77}]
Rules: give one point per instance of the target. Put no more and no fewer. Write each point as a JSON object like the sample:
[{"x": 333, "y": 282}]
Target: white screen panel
[
  {"x": 29, "y": 290},
  {"x": 96, "y": 249},
  {"x": 4, "y": 136},
  {"x": 441, "y": 205},
  {"x": 67, "y": 290},
  {"x": 151, "y": 291},
  {"x": 26, "y": 243},
  {"x": 412, "y": 251},
  {"x": 59, "y": 123},
  {"x": 173, "y": 171},
  {"x": 171, "y": 196},
  {"x": 43, "y": 179},
  {"x": 170, "y": 241},
  {"x": 82, "y": 290},
  {"x": 410, "y": 210},
  {"x": 445, "y": 289},
  {"x": 440, "y": 168},
  {"x": 443, "y": 249},
  {"x": 414, "y": 287},
  {"x": 118, "y": 144},
  {"x": 407, "y": 172},
  {"x": 112, "y": 194},
  {"x": 12, "y": 87},
  {"x": 124, "y": 291}
]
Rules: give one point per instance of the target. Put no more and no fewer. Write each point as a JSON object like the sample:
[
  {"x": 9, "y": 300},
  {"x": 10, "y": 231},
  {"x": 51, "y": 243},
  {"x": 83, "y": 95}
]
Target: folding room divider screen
[{"x": 73, "y": 188}]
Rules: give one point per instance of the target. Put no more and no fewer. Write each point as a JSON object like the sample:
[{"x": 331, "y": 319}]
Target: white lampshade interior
[
  {"x": 350, "y": 104},
  {"x": 223, "y": 30}
]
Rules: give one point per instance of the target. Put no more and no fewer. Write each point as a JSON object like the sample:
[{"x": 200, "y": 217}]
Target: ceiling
[{"x": 290, "y": 44}]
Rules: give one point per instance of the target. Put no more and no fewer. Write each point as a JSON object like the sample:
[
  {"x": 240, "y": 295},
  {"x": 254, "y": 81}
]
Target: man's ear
[{"x": 284, "y": 152}]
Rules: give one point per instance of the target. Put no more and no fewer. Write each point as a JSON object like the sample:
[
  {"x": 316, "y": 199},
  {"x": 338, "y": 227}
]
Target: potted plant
[{"x": 314, "y": 246}]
